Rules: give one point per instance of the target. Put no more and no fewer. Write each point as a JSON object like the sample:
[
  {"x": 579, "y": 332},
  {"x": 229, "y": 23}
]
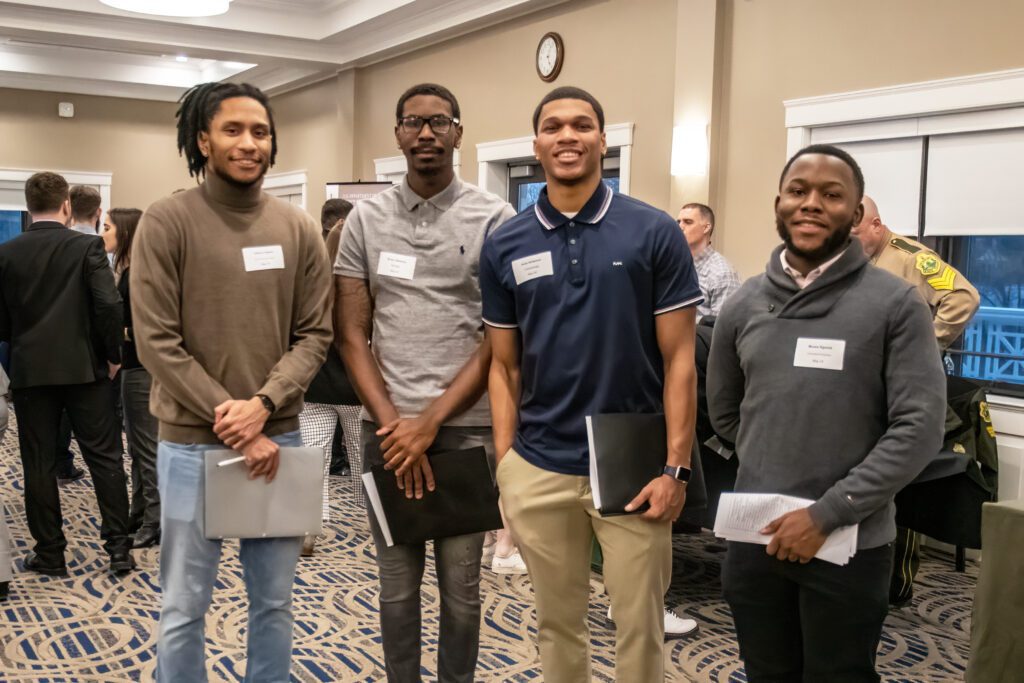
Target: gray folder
[{"x": 239, "y": 507}]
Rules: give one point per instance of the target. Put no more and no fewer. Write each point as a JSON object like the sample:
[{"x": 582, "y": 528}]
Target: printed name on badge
[
  {"x": 391, "y": 264},
  {"x": 270, "y": 257},
  {"x": 532, "y": 267},
  {"x": 823, "y": 354}
]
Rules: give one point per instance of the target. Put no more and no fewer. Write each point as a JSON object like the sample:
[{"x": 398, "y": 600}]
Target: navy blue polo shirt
[{"x": 584, "y": 292}]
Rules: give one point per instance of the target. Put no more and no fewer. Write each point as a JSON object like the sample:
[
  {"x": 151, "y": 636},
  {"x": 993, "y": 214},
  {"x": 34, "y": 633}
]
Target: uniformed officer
[
  {"x": 953, "y": 301},
  {"x": 952, "y": 298}
]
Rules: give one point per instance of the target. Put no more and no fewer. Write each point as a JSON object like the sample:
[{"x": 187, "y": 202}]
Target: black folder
[
  {"x": 627, "y": 451},
  {"x": 464, "y": 500}
]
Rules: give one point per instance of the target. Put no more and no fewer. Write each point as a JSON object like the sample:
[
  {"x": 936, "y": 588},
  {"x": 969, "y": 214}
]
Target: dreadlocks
[{"x": 198, "y": 107}]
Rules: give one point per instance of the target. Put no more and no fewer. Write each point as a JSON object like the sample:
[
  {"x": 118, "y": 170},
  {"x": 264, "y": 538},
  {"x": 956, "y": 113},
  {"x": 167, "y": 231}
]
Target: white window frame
[
  {"x": 14, "y": 178},
  {"x": 287, "y": 183},
  {"x": 953, "y": 105},
  {"x": 493, "y": 157},
  {"x": 392, "y": 169}
]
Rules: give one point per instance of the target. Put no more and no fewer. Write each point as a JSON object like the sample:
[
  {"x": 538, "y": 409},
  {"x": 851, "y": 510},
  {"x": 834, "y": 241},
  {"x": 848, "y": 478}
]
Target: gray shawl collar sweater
[{"x": 848, "y": 439}]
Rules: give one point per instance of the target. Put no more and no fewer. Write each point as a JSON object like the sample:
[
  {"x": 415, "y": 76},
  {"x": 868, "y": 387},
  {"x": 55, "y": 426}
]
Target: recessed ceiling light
[
  {"x": 172, "y": 8},
  {"x": 181, "y": 58}
]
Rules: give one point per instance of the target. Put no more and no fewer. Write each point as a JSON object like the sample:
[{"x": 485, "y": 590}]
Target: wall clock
[{"x": 550, "y": 54}]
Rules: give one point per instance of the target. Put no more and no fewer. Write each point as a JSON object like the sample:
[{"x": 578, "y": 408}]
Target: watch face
[{"x": 547, "y": 56}]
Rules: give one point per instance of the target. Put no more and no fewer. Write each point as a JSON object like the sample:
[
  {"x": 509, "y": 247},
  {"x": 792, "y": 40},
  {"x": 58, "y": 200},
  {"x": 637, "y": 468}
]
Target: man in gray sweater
[{"x": 823, "y": 371}]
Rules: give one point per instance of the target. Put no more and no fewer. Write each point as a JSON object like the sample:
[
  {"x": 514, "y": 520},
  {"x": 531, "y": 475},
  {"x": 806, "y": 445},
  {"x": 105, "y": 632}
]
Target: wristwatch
[
  {"x": 679, "y": 473},
  {"x": 271, "y": 408}
]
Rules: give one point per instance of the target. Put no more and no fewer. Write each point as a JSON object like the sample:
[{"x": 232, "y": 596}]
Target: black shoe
[
  {"x": 146, "y": 538},
  {"x": 121, "y": 562},
  {"x": 900, "y": 603},
  {"x": 71, "y": 475},
  {"x": 5, "y": 589},
  {"x": 33, "y": 564}
]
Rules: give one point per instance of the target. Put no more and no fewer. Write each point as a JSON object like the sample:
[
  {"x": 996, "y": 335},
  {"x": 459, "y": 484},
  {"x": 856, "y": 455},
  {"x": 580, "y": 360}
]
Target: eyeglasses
[{"x": 439, "y": 123}]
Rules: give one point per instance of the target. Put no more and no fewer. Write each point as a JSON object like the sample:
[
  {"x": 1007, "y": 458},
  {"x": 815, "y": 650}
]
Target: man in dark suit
[{"x": 61, "y": 313}]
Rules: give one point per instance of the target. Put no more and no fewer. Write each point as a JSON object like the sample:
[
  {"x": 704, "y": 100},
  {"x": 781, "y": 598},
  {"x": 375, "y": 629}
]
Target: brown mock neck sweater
[{"x": 212, "y": 324}]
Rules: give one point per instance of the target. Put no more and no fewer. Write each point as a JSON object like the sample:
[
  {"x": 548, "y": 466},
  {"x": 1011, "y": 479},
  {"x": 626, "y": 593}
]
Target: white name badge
[
  {"x": 823, "y": 354},
  {"x": 263, "y": 258},
  {"x": 532, "y": 267},
  {"x": 391, "y": 264}
]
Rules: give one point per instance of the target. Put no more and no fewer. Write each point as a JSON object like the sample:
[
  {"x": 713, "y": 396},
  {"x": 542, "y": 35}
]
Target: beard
[{"x": 832, "y": 245}]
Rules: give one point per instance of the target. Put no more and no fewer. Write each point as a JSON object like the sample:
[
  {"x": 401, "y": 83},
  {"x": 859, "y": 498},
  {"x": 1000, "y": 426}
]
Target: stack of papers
[{"x": 741, "y": 516}]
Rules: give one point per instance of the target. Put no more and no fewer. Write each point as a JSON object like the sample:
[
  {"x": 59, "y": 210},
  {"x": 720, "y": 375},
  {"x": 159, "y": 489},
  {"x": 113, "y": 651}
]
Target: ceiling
[{"x": 86, "y": 47}]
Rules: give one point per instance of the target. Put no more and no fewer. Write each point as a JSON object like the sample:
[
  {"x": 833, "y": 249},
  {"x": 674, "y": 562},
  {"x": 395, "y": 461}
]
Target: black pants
[
  {"x": 807, "y": 622},
  {"x": 140, "y": 428},
  {"x": 91, "y": 410}
]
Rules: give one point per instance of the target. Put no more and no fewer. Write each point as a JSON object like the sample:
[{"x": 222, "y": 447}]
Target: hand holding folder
[
  {"x": 464, "y": 500},
  {"x": 627, "y": 451}
]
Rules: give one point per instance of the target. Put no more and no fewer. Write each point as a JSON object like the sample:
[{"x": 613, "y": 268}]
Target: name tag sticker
[
  {"x": 532, "y": 267},
  {"x": 391, "y": 264},
  {"x": 263, "y": 258},
  {"x": 823, "y": 354}
]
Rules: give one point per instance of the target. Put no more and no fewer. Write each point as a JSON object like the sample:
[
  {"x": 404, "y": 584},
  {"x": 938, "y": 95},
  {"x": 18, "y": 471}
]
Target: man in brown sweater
[{"x": 230, "y": 303}]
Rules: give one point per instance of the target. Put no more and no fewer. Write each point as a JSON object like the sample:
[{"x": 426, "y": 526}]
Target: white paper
[
  {"x": 270, "y": 257},
  {"x": 532, "y": 267},
  {"x": 378, "y": 510},
  {"x": 391, "y": 264},
  {"x": 823, "y": 354},
  {"x": 741, "y": 516},
  {"x": 595, "y": 487}
]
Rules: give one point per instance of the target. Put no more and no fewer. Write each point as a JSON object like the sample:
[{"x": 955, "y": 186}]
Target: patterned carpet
[{"x": 92, "y": 627}]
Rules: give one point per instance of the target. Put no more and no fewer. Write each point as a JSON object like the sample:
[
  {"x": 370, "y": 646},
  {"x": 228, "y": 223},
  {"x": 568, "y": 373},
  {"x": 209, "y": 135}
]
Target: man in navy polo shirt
[{"x": 589, "y": 300}]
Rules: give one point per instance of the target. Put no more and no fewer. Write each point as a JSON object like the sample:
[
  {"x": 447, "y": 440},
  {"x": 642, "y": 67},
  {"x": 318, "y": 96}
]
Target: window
[
  {"x": 527, "y": 180},
  {"x": 11, "y": 225},
  {"x": 992, "y": 347}
]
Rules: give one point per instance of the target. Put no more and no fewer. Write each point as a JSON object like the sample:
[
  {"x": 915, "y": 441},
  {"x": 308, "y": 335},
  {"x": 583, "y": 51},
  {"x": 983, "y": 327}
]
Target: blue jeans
[{"x": 188, "y": 570}]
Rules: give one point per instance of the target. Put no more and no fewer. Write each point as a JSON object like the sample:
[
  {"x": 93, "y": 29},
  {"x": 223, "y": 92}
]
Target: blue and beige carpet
[{"x": 91, "y": 627}]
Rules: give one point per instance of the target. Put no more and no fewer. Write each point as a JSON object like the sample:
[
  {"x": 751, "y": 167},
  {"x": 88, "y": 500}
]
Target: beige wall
[
  {"x": 623, "y": 51},
  {"x": 133, "y": 139},
  {"x": 776, "y": 51}
]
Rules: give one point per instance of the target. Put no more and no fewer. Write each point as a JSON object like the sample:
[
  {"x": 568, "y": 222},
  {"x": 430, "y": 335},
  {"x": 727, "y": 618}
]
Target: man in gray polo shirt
[{"x": 406, "y": 277}]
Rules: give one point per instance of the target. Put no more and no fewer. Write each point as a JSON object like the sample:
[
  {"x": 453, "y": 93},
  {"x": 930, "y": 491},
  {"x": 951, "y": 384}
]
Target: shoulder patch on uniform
[
  {"x": 927, "y": 263},
  {"x": 904, "y": 245},
  {"x": 943, "y": 280}
]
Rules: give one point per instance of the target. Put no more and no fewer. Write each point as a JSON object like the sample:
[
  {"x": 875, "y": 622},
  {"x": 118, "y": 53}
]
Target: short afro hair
[
  {"x": 568, "y": 92},
  {"x": 832, "y": 151},
  {"x": 428, "y": 89}
]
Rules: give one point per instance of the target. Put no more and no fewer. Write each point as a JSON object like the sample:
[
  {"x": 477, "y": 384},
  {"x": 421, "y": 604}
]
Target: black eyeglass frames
[{"x": 439, "y": 123}]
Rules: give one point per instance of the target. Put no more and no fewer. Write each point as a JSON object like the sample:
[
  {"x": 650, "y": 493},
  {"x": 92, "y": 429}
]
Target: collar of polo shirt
[
  {"x": 592, "y": 212},
  {"x": 442, "y": 201}
]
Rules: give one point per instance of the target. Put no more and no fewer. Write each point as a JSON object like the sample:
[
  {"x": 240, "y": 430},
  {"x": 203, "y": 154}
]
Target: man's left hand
[
  {"x": 666, "y": 497},
  {"x": 238, "y": 422},
  {"x": 406, "y": 441},
  {"x": 795, "y": 537}
]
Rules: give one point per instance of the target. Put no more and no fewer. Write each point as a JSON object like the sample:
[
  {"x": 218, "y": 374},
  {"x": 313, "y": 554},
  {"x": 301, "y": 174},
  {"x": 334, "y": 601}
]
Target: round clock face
[{"x": 549, "y": 57}]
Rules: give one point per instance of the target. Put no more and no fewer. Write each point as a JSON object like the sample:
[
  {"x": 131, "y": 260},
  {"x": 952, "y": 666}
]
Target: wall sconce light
[{"x": 690, "y": 149}]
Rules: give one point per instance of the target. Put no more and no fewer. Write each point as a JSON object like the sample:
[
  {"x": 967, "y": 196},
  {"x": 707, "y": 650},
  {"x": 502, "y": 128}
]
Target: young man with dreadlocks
[{"x": 231, "y": 305}]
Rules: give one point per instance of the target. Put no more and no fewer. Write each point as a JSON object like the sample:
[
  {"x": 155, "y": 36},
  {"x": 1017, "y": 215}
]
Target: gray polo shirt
[{"x": 421, "y": 258}]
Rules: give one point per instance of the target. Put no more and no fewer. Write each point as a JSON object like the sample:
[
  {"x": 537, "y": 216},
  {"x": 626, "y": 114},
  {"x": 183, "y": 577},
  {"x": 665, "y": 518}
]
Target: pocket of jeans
[{"x": 179, "y": 480}]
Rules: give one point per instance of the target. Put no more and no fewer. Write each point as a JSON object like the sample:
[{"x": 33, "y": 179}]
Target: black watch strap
[
  {"x": 679, "y": 473},
  {"x": 267, "y": 403}
]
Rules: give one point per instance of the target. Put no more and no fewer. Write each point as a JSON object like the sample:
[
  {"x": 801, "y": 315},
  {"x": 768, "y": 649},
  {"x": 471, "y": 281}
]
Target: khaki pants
[{"x": 552, "y": 519}]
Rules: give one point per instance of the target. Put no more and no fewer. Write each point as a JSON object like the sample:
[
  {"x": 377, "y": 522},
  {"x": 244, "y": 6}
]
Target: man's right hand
[
  {"x": 261, "y": 457},
  {"x": 414, "y": 478},
  {"x": 112, "y": 370}
]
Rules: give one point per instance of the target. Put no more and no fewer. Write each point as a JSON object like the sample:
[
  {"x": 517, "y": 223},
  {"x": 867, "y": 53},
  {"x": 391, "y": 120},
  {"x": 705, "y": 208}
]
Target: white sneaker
[
  {"x": 675, "y": 626},
  {"x": 513, "y": 564}
]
